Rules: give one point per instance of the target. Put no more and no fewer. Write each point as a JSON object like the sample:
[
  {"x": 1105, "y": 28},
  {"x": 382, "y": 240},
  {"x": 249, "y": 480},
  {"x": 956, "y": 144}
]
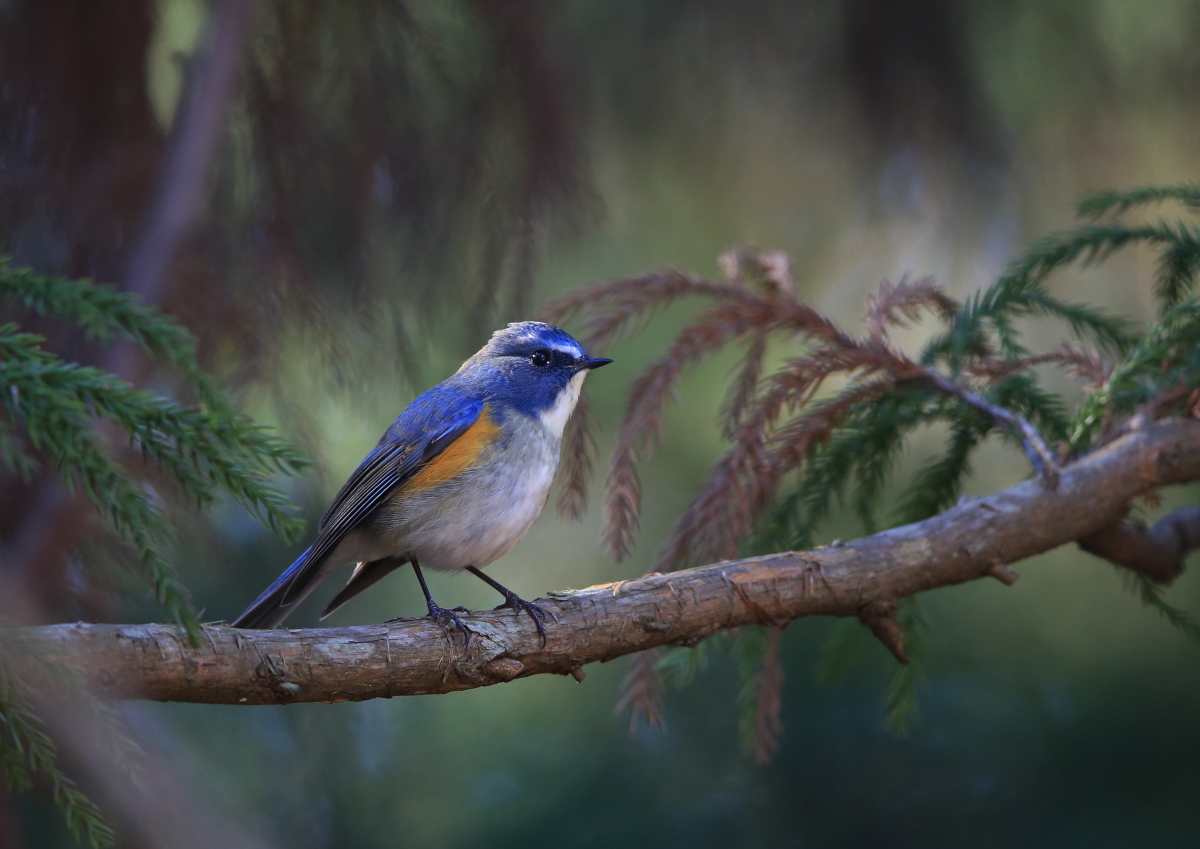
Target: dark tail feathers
[
  {"x": 364, "y": 576},
  {"x": 269, "y": 609}
]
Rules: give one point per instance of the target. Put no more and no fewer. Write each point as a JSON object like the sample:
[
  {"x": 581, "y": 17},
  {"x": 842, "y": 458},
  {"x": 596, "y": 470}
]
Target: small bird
[{"x": 454, "y": 483}]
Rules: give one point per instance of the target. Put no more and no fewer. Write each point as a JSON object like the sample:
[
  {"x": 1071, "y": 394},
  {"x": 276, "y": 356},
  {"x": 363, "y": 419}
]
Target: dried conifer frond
[
  {"x": 768, "y": 722},
  {"x": 797, "y": 437},
  {"x": 1086, "y": 364},
  {"x": 897, "y": 304},
  {"x": 613, "y": 305},
  {"x": 623, "y": 507},
  {"x": 575, "y": 468},
  {"x": 642, "y": 692},
  {"x": 760, "y": 699},
  {"x": 742, "y": 393},
  {"x": 742, "y": 481},
  {"x": 759, "y": 301},
  {"x": 1082, "y": 363},
  {"x": 738, "y": 313},
  {"x": 723, "y": 511},
  {"x": 770, "y": 271},
  {"x": 975, "y": 376},
  {"x": 735, "y": 316},
  {"x": 745, "y": 481},
  {"x": 996, "y": 369}
]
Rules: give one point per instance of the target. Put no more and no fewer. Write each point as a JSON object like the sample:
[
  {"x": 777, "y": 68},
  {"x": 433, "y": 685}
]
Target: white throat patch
[{"x": 555, "y": 418}]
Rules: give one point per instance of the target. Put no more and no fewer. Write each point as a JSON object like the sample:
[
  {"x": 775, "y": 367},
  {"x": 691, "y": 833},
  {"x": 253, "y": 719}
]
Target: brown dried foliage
[
  {"x": 1085, "y": 364},
  {"x": 772, "y": 424},
  {"x": 576, "y": 467},
  {"x": 745, "y": 385},
  {"x": 768, "y": 684},
  {"x": 1082, "y": 363},
  {"x": 614, "y": 305},
  {"x": 898, "y": 304},
  {"x": 746, "y": 478},
  {"x": 739, "y": 313},
  {"x": 770, "y": 270},
  {"x": 641, "y": 692}
]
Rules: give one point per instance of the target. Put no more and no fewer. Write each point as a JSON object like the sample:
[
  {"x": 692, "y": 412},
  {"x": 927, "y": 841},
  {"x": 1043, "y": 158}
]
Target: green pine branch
[
  {"x": 53, "y": 408},
  {"x": 1119, "y": 202},
  {"x": 73, "y": 419},
  {"x": 1165, "y": 360},
  {"x": 900, "y": 702},
  {"x": 28, "y": 754},
  {"x": 1156, "y": 370}
]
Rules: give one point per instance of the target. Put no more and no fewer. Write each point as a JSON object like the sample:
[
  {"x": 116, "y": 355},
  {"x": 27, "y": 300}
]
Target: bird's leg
[
  {"x": 439, "y": 614},
  {"x": 514, "y": 601}
]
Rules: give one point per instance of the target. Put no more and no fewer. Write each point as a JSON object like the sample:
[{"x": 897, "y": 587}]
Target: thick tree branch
[{"x": 861, "y": 578}]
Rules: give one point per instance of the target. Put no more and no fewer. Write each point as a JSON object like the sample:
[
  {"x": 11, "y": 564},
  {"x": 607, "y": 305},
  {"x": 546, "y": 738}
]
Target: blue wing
[{"x": 423, "y": 431}]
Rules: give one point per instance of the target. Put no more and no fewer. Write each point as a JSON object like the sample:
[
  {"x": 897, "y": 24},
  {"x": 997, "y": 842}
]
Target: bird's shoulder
[
  {"x": 445, "y": 408},
  {"x": 420, "y": 434}
]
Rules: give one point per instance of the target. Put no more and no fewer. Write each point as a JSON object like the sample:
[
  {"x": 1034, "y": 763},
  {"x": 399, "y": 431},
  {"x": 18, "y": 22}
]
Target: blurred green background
[{"x": 395, "y": 179}]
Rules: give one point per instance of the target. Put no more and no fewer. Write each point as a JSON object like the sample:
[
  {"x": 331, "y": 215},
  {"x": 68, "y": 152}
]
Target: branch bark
[{"x": 863, "y": 578}]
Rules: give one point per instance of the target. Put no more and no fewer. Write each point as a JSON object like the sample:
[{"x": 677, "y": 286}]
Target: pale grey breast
[{"x": 477, "y": 517}]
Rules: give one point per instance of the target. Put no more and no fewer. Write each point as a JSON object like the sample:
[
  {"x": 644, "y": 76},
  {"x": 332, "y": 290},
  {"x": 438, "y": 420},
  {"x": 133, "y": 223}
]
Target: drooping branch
[
  {"x": 863, "y": 578},
  {"x": 199, "y": 127},
  {"x": 48, "y": 528},
  {"x": 1039, "y": 454},
  {"x": 1157, "y": 551}
]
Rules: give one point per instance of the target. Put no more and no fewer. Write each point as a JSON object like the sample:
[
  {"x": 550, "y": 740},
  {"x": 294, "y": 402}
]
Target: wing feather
[{"x": 392, "y": 463}]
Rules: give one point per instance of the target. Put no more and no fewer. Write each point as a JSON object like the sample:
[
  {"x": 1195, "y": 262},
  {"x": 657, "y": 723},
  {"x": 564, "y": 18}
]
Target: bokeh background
[{"x": 366, "y": 189}]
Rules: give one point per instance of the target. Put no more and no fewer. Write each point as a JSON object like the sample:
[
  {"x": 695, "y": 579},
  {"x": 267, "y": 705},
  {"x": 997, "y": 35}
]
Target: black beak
[{"x": 594, "y": 362}]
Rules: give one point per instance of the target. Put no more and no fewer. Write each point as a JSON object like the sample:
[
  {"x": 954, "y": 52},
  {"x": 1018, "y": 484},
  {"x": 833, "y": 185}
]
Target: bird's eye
[{"x": 541, "y": 359}]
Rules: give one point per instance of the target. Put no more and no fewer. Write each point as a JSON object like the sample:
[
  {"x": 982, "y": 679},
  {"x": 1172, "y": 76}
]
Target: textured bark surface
[{"x": 863, "y": 578}]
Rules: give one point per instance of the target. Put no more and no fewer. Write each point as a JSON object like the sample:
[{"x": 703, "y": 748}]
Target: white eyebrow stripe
[{"x": 568, "y": 349}]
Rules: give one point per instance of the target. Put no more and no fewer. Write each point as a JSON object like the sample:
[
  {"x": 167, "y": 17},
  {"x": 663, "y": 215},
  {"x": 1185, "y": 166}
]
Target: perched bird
[{"x": 455, "y": 482}]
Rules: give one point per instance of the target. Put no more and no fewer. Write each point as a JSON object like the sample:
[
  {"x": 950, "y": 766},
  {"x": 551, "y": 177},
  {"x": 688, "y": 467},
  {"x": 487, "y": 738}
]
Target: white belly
[{"x": 481, "y": 515}]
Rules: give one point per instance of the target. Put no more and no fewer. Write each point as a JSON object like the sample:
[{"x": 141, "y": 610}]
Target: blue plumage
[{"x": 457, "y": 479}]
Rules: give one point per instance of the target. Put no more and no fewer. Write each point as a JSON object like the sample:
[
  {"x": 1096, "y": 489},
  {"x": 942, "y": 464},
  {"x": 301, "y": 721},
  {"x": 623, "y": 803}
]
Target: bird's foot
[
  {"x": 396, "y": 620},
  {"x": 536, "y": 613},
  {"x": 448, "y": 619}
]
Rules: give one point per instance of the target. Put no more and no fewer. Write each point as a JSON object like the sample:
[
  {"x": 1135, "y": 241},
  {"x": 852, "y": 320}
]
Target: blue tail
[{"x": 270, "y": 609}]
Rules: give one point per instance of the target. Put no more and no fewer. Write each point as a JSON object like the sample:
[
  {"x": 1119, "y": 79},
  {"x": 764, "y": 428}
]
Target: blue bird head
[{"x": 535, "y": 367}]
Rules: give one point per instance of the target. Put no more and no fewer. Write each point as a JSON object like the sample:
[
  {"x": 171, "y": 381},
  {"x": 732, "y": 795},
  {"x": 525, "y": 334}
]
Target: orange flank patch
[{"x": 457, "y": 458}]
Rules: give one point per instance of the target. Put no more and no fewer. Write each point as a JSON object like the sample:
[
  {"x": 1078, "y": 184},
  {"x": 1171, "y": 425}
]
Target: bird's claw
[
  {"x": 536, "y": 613},
  {"x": 449, "y": 619}
]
